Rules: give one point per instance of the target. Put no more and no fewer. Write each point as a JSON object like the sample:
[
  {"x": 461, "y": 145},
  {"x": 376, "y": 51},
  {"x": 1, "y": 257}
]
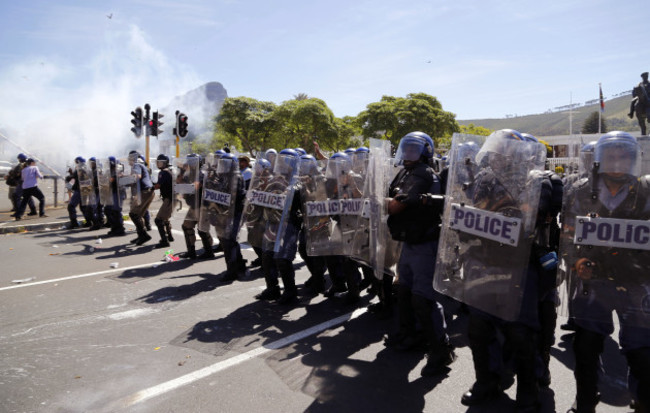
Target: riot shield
[
  {"x": 106, "y": 196},
  {"x": 187, "y": 182},
  {"x": 317, "y": 221},
  {"x": 373, "y": 244},
  {"x": 219, "y": 195},
  {"x": 605, "y": 245},
  {"x": 274, "y": 198},
  {"x": 351, "y": 183},
  {"x": 323, "y": 208},
  {"x": 253, "y": 218},
  {"x": 128, "y": 184},
  {"x": 489, "y": 223},
  {"x": 86, "y": 186}
]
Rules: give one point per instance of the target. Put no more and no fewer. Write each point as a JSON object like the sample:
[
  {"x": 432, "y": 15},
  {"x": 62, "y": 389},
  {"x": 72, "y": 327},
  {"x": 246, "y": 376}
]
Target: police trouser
[
  {"x": 416, "y": 297},
  {"x": 232, "y": 255},
  {"x": 588, "y": 346},
  {"x": 519, "y": 338},
  {"x": 162, "y": 219},
  {"x": 75, "y": 200},
  {"x": 138, "y": 209},
  {"x": 190, "y": 237},
  {"x": 315, "y": 264},
  {"x": 352, "y": 275}
]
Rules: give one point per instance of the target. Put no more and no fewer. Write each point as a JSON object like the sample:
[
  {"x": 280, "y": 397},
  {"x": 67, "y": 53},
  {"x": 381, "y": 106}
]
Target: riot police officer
[
  {"x": 415, "y": 222},
  {"x": 165, "y": 185},
  {"x": 609, "y": 272},
  {"x": 191, "y": 173},
  {"x": 138, "y": 208}
]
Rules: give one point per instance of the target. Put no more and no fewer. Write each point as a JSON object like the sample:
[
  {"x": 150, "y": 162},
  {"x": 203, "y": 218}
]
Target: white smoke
[{"x": 58, "y": 109}]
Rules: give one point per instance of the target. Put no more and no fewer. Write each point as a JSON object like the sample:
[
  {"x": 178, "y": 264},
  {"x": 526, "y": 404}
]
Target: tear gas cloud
[{"x": 58, "y": 109}]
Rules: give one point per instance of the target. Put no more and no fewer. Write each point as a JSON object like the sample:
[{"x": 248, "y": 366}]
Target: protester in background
[
  {"x": 30, "y": 175},
  {"x": 245, "y": 169},
  {"x": 14, "y": 178}
]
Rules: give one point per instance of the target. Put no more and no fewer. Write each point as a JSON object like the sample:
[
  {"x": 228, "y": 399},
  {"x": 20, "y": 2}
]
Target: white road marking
[
  {"x": 173, "y": 384},
  {"x": 72, "y": 277}
]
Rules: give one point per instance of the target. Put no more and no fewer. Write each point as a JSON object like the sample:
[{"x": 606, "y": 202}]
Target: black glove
[{"x": 431, "y": 200}]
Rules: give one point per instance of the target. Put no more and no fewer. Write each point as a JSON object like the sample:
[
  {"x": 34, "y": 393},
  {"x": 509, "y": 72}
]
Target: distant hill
[
  {"x": 200, "y": 105},
  {"x": 557, "y": 123}
]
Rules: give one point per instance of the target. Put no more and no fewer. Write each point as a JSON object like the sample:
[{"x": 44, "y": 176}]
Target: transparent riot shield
[
  {"x": 187, "y": 183},
  {"x": 317, "y": 222},
  {"x": 378, "y": 249},
  {"x": 274, "y": 195},
  {"x": 220, "y": 187},
  {"x": 86, "y": 186},
  {"x": 322, "y": 209},
  {"x": 104, "y": 175},
  {"x": 605, "y": 245},
  {"x": 489, "y": 222},
  {"x": 351, "y": 183},
  {"x": 128, "y": 184},
  {"x": 253, "y": 216}
]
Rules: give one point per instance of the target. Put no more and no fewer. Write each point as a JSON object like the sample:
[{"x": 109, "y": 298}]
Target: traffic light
[
  {"x": 155, "y": 124},
  {"x": 182, "y": 125},
  {"x": 137, "y": 121}
]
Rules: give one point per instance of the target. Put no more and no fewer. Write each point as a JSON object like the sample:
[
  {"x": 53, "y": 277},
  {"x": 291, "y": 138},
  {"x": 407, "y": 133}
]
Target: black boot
[
  {"x": 190, "y": 241},
  {"x": 439, "y": 357},
  {"x": 288, "y": 274},
  {"x": 206, "y": 240},
  {"x": 168, "y": 228},
  {"x": 163, "y": 235}
]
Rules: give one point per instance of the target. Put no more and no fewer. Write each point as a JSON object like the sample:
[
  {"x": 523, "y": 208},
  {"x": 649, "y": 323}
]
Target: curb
[{"x": 15, "y": 229}]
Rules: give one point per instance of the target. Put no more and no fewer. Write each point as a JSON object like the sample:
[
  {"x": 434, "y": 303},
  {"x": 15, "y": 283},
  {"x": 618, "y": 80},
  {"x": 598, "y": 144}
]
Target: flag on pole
[{"x": 602, "y": 101}]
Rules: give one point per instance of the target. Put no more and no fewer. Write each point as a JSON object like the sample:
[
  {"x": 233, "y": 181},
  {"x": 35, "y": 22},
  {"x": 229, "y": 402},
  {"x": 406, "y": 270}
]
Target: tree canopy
[
  {"x": 591, "y": 124},
  {"x": 393, "y": 117},
  {"x": 294, "y": 123}
]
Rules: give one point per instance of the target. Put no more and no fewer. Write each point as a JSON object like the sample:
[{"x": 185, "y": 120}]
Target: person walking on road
[{"x": 30, "y": 175}]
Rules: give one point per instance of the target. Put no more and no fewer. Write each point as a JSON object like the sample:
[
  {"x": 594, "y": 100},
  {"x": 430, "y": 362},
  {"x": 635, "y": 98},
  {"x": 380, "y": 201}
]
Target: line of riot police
[{"x": 482, "y": 232}]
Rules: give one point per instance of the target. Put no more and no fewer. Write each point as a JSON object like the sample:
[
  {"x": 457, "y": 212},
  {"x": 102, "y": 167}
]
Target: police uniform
[
  {"x": 417, "y": 225},
  {"x": 165, "y": 183},
  {"x": 619, "y": 283}
]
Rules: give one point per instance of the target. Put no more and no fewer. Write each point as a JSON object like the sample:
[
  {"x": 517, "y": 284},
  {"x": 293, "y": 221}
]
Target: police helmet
[
  {"x": 112, "y": 160},
  {"x": 301, "y": 151},
  {"x": 199, "y": 157},
  {"x": 227, "y": 163},
  {"x": 499, "y": 144},
  {"x": 308, "y": 165},
  {"x": 162, "y": 161},
  {"x": 586, "y": 159},
  {"x": 618, "y": 152},
  {"x": 220, "y": 152},
  {"x": 412, "y": 148},
  {"x": 262, "y": 165},
  {"x": 79, "y": 159},
  {"x": 270, "y": 155},
  {"x": 286, "y": 161},
  {"x": 22, "y": 157},
  {"x": 530, "y": 138},
  {"x": 349, "y": 151}
]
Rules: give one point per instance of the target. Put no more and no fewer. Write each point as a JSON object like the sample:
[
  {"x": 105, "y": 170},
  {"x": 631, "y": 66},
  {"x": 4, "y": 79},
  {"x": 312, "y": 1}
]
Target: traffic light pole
[{"x": 146, "y": 131}]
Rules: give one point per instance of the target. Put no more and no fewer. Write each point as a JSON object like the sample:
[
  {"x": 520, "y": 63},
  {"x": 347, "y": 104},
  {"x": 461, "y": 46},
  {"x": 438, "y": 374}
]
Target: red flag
[{"x": 602, "y": 101}]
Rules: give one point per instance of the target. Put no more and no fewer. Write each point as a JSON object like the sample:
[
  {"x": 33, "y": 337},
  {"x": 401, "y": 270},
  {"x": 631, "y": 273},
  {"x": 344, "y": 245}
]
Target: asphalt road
[{"x": 77, "y": 335}]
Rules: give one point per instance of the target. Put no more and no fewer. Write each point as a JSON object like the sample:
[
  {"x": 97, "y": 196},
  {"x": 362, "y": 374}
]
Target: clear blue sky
[{"x": 479, "y": 58}]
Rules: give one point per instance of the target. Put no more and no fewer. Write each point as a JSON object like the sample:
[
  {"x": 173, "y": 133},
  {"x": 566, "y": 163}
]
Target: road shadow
[{"x": 208, "y": 282}]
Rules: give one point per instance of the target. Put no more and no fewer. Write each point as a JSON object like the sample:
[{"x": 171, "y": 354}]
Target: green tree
[
  {"x": 590, "y": 124},
  {"x": 300, "y": 122},
  {"x": 471, "y": 129},
  {"x": 248, "y": 120},
  {"x": 393, "y": 117}
]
